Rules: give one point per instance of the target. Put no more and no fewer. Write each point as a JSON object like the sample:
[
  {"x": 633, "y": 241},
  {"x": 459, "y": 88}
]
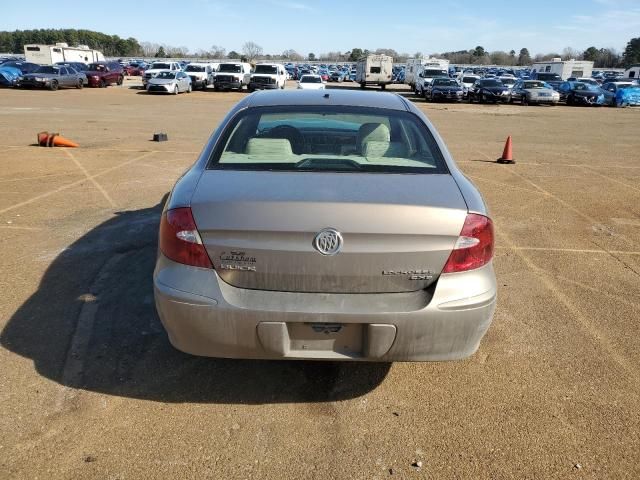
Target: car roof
[{"x": 374, "y": 99}]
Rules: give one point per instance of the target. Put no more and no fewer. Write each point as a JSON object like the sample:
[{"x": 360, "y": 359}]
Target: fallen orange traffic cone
[
  {"x": 507, "y": 154},
  {"x": 46, "y": 139}
]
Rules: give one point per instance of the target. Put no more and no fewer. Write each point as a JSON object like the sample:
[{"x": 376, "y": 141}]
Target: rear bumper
[{"x": 205, "y": 316}]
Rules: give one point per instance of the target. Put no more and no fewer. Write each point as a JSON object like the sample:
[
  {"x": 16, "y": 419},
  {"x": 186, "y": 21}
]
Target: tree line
[
  {"x": 114, "y": 46},
  {"x": 111, "y": 45}
]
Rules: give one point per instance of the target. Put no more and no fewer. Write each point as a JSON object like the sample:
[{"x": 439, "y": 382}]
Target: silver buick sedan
[{"x": 325, "y": 225}]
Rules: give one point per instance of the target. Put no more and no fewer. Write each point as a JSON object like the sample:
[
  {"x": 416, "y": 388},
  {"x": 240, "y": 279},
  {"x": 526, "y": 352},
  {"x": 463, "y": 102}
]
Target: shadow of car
[{"x": 106, "y": 276}]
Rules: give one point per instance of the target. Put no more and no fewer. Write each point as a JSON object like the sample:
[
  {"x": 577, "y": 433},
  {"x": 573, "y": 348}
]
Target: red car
[
  {"x": 134, "y": 70},
  {"x": 102, "y": 74}
]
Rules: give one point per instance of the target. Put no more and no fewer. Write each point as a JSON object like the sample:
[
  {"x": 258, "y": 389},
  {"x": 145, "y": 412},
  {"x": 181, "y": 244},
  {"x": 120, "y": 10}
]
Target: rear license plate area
[{"x": 343, "y": 338}]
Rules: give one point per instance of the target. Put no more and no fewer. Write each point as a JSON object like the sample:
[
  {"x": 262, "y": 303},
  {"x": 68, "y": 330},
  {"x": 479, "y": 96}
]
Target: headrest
[
  {"x": 269, "y": 146},
  {"x": 374, "y": 132}
]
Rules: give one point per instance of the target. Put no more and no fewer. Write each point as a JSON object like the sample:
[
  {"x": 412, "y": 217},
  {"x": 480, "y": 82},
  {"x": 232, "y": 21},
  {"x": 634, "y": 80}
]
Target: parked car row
[{"x": 532, "y": 92}]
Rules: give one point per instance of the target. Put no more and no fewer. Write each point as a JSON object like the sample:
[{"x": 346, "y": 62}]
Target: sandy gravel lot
[{"x": 90, "y": 387}]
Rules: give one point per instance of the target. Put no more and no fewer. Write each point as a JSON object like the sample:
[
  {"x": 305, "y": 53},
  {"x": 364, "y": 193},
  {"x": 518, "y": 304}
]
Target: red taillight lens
[
  {"x": 180, "y": 240},
  {"x": 474, "y": 247}
]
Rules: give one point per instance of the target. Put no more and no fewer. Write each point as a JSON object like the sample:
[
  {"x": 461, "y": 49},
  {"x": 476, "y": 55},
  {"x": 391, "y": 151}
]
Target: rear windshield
[
  {"x": 157, "y": 66},
  {"x": 229, "y": 68},
  {"x": 195, "y": 68},
  {"x": 328, "y": 138},
  {"x": 469, "y": 79},
  {"x": 266, "y": 69},
  {"x": 310, "y": 79}
]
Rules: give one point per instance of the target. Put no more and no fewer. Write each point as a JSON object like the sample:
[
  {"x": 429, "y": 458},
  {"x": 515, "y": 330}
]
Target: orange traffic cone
[
  {"x": 46, "y": 139},
  {"x": 507, "y": 154}
]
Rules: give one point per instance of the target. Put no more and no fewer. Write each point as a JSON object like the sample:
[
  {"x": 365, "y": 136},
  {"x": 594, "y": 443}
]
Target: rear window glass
[
  {"x": 328, "y": 138},
  {"x": 195, "y": 68},
  {"x": 374, "y": 70}
]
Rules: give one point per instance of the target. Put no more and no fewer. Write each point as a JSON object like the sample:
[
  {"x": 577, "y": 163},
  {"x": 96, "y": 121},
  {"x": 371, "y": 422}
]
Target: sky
[{"x": 320, "y": 26}]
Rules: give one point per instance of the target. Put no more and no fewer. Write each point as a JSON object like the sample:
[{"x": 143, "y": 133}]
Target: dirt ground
[{"x": 90, "y": 387}]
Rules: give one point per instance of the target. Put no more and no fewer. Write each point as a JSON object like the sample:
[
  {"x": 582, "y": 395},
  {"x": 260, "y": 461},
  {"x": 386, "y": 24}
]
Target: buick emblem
[{"x": 328, "y": 241}]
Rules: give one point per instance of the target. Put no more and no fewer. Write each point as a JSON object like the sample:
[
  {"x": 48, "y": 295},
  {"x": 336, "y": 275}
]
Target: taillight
[
  {"x": 180, "y": 240},
  {"x": 474, "y": 247}
]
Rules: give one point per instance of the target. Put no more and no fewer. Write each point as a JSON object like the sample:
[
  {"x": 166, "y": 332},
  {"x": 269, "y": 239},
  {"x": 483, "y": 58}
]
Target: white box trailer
[
  {"x": 632, "y": 72},
  {"x": 374, "y": 70},
  {"x": 565, "y": 68},
  {"x": 416, "y": 65},
  {"x": 50, "y": 54}
]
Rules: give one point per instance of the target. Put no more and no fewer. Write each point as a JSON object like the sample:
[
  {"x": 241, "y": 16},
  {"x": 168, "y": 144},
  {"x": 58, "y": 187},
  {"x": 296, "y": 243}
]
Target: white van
[
  {"x": 232, "y": 75},
  {"x": 374, "y": 70},
  {"x": 201, "y": 74},
  {"x": 416, "y": 65},
  {"x": 268, "y": 76}
]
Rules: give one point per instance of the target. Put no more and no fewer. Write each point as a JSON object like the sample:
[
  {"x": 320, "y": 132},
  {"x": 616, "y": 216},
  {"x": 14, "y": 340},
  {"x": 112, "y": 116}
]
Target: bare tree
[
  {"x": 218, "y": 52},
  {"x": 292, "y": 55},
  {"x": 251, "y": 51},
  {"x": 149, "y": 49},
  {"x": 571, "y": 53}
]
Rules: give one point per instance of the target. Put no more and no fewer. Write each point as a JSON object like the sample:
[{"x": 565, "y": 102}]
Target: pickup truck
[
  {"x": 268, "y": 76},
  {"x": 201, "y": 74},
  {"x": 157, "y": 67},
  {"x": 232, "y": 75}
]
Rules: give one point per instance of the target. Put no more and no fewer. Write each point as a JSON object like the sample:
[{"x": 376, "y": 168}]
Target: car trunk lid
[{"x": 259, "y": 229}]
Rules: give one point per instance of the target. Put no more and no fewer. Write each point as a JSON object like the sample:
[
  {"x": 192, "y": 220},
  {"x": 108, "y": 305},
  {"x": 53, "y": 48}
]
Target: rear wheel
[
  {"x": 240, "y": 87},
  {"x": 189, "y": 89},
  {"x": 80, "y": 84},
  {"x": 103, "y": 84},
  {"x": 362, "y": 85},
  {"x": 53, "y": 85},
  {"x": 175, "y": 90},
  {"x": 384, "y": 86},
  {"x": 120, "y": 80},
  {"x": 524, "y": 101}
]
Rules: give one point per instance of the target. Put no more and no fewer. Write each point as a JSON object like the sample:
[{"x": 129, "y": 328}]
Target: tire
[
  {"x": 570, "y": 101},
  {"x": 53, "y": 86},
  {"x": 120, "y": 80},
  {"x": 524, "y": 101},
  {"x": 383, "y": 86},
  {"x": 103, "y": 84},
  {"x": 189, "y": 89},
  {"x": 80, "y": 84},
  {"x": 175, "y": 90},
  {"x": 362, "y": 86},
  {"x": 240, "y": 87}
]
